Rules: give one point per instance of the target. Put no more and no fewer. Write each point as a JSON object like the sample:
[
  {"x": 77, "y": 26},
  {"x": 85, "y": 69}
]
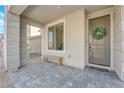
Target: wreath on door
[{"x": 98, "y": 32}]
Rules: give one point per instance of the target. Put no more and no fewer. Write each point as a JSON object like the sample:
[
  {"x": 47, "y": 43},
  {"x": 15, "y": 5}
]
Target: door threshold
[
  {"x": 99, "y": 69},
  {"x": 99, "y": 66}
]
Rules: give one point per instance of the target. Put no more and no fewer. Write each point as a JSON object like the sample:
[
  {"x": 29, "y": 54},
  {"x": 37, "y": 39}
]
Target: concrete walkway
[{"x": 40, "y": 74}]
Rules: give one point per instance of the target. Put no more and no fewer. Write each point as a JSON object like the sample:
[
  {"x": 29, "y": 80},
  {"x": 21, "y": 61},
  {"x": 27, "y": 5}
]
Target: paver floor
[{"x": 49, "y": 75}]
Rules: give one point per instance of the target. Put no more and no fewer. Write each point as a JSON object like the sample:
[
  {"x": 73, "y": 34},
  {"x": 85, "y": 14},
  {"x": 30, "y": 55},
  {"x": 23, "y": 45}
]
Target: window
[
  {"x": 33, "y": 31},
  {"x": 51, "y": 38},
  {"x": 33, "y": 41},
  {"x": 56, "y": 37}
]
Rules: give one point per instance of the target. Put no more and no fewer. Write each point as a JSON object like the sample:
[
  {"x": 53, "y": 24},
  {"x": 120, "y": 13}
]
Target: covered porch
[{"x": 73, "y": 45}]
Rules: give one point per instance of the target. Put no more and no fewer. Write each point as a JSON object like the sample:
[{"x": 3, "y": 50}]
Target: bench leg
[
  {"x": 45, "y": 58},
  {"x": 60, "y": 62}
]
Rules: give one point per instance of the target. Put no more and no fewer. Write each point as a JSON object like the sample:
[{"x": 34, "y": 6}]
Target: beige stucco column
[
  {"x": 122, "y": 42},
  {"x": 12, "y": 40},
  {"x": 119, "y": 41}
]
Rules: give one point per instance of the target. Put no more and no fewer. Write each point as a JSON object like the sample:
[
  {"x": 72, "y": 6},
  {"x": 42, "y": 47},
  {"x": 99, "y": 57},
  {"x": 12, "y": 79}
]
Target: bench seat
[{"x": 57, "y": 59}]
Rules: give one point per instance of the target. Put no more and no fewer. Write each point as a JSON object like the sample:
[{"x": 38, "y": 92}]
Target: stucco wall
[
  {"x": 119, "y": 40},
  {"x": 23, "y": 38},
  {"x": 35, "y": 44},
  {"x": 74, "y": 39},
  {"x": 12, "y": 41}
]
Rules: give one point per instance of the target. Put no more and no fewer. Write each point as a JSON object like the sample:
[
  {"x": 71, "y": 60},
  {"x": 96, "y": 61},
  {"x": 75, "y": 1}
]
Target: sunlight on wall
[{"x": 34, "y": 31}]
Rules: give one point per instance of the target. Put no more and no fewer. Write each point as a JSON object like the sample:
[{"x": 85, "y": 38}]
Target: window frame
[{"x": 53, "y": 24}]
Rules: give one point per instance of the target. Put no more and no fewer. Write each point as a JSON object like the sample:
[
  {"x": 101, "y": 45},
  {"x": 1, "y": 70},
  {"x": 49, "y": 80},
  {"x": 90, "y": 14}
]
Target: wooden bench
[{"x": 57, "y": 59}]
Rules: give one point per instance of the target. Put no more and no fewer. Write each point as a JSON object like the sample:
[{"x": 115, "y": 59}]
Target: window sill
[{"x": 56, "y": 51}]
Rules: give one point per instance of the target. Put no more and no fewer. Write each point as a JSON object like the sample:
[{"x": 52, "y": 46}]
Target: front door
[{"x": 99, "y": 49}]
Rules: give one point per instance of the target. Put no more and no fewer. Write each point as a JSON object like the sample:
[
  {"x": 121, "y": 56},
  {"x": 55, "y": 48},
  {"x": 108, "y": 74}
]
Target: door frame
[{"x": 108, "y": 11}]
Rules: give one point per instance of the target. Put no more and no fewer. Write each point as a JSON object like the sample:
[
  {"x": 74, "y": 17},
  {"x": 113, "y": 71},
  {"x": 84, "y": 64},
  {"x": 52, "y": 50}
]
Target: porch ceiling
[{"x": 46, "y": 13}]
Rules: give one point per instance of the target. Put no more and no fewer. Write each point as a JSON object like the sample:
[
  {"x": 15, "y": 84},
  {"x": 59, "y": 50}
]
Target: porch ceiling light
[{"x": 58, "y": 7}]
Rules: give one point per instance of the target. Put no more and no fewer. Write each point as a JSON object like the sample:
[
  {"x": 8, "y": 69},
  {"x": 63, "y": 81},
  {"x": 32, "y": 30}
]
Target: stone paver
[{"x": 49, "y": 75}]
